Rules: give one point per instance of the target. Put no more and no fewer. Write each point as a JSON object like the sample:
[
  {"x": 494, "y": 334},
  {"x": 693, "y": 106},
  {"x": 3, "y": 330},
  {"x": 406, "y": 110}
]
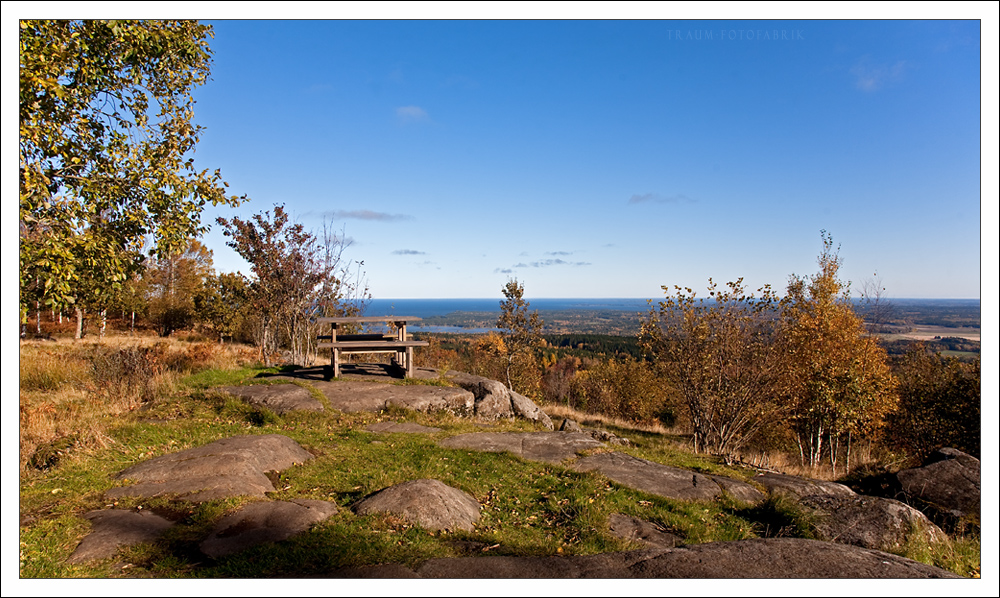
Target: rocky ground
[{"x": 854, "y": 531}]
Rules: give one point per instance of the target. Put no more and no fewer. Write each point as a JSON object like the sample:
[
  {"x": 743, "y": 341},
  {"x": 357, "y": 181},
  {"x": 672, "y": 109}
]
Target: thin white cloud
[
  {"x": 556, "y": 262},
  {"x": 367, "y": 215},
  {"x": 657, "y": 198},
  {"x": 409, "y": 114},
  {"x": 871, "y": 77},
  {"x": 541, "y": 264},
  {"x": 408, "y": 252}
]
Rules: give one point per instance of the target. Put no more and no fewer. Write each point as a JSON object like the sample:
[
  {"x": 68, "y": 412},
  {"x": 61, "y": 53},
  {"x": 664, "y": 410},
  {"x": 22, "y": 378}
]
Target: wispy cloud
[
  {"x": 657, "y": 198},
  {"x": 410, "y": 114},
  {"x": 540, "y": 264},
  {"x": 556, "y": 262},
  {"x": 366, "y": 215},
  {"x": 408, "y": 252},
  {"x": 558, "y": 253},
  {"x": 871, "y": 77}
]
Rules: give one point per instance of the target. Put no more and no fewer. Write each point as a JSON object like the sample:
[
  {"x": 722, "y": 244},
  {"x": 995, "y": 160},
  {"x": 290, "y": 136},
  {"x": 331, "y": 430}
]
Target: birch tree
[
  {"x": 842, "y": 385},
  {"x": 106, "y": 137}
]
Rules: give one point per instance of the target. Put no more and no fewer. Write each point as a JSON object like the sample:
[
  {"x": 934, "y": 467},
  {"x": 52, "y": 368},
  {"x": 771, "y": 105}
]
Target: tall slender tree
[{"x": 520, "y": 335}]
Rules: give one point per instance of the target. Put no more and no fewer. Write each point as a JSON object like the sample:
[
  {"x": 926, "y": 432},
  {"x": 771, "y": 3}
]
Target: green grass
[
  {"x": 960, "y": 555},
  {"x": 528, "y": 508}
]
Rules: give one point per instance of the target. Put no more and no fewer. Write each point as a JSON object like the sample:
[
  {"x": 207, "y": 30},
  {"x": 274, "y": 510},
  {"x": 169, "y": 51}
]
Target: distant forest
[
  {"x": 588, "y": 333},
  {"x": 952, "y": 313}
]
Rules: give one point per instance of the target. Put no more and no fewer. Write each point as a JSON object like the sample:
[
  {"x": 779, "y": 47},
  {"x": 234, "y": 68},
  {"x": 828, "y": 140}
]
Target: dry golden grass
[
  {"x": 773, "y": 460},
  {"x": 594, "y": 419},
  {"x": 72, "y": 391}
]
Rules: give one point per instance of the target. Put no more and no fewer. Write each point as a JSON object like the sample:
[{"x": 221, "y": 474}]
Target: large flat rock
[
  {"x": 797, "y": 487},
  {"x": 548, "y": 447},
  {"x": 280, "y": 398},
  {"x": 229, "y": 467},
  {"x": 267, "y": 521},
  {"x": 771, "y": 558},
  {"x": 356, "y": 395},
  {"x": 663, "y": 480},
  {"x": 870, "y": 522},
  {"x": 948, "y": 486},
  {"x": 432, "y": 504},
  {"x": 640, "y": 530},
  {"x": 112, "y": 528}
]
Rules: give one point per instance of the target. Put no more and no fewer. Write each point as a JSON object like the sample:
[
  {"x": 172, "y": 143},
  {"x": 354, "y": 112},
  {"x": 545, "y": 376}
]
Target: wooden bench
[{"x": 397, "y": 343}]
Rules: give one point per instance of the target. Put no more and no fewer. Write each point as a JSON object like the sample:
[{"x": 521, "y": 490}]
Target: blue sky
[
  {"x": 605, "y": 158},
  {"x": 608, "y": 158}
]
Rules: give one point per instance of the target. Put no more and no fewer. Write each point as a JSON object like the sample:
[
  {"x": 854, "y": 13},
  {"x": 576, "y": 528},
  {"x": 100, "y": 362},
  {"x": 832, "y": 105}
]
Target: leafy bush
[
  {"x": 626, "y": 389},
  {"x": 939, "y": 405}
]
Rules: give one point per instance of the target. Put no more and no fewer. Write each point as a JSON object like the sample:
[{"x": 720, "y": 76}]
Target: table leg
[{"x": 334, "y": 352}]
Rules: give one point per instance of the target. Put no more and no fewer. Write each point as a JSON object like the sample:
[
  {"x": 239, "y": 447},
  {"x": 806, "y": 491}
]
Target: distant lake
[
  {"x": 425, "y": 308},
  {"x": 618, "y": 316}
]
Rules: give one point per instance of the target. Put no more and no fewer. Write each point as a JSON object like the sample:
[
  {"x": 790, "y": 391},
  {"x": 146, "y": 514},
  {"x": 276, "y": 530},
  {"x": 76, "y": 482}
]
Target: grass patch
[
  {"x": 212, "y": 378},
  {"x": 961, "y": 554}
]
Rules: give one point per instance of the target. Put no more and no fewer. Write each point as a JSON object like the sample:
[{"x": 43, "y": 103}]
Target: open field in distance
[{"x": 927, "y": 333}]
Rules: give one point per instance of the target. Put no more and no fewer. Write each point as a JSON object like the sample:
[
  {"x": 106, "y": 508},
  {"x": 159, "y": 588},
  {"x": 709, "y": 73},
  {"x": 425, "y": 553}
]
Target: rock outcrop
[
  {"x": 548, "y": 447},
  {"x": 266, "y": 521},
  {"x": 640, "y": 530},
  {"x": 797, "y": 487},
  {"x": 769, "y": 558},
  {"x": 947, "y": 487},
  {"x": 428, "y": 503},
  {"x": 494, "y": 401},
  {"x": 280, "y": 398},
  {"x": 663, "y": 480},
  {"x": 869, "y": 522},
  {"x": 229, "y": 467},
  {"x": 355, "y": 395},
  {"x": 570, "y": 425},
  {"x": 117, "y": 527}
]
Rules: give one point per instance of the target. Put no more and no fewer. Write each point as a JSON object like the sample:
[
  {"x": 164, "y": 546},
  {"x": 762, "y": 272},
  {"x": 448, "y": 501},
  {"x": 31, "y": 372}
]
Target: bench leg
[
  {"x": 335, "y": 358},
  {"x": 409, "y": 362}
]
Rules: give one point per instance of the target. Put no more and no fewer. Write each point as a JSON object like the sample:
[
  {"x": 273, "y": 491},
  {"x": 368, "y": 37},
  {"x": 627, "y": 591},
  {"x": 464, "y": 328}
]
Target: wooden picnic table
[{"x": 397, "y": 343}]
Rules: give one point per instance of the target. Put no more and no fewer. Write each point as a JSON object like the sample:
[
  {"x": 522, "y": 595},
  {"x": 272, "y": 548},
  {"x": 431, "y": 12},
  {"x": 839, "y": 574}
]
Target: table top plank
[
  {"x": 365, "y": 319},
  {"x": 389, "y": 345}
]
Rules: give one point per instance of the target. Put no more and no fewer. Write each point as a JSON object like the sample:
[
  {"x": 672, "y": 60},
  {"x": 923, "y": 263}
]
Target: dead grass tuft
[
  {"x": 595, "y": 419},
  {"x": 72, "y": 392}
]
